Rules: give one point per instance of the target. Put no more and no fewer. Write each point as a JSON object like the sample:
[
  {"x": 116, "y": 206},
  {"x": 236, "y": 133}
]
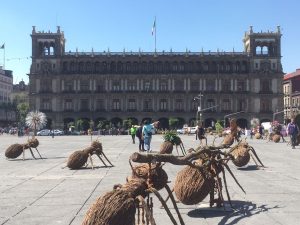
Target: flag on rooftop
[
  {"x": 154, "y": 26},
  {"x": 2, "y": 46}
]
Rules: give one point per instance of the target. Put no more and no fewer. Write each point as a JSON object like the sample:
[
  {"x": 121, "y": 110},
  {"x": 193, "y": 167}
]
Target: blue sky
[{"x": 119, "y": 24}]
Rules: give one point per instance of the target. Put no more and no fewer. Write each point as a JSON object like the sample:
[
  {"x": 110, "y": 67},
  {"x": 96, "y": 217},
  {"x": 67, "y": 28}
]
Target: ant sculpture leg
[
  {"x": 146, "y": 210},
  {"x": 32, "y": 153},
  {"x": 23, "y": 153},
  {"x": 99, "y": 156},
  {"x": 256, "y": 156},
  {"x": 182, "y": 148},
  {"x": 38, "y": 153},
  {"x": 153, "y": 190},
  {"x": 107, "y": 159},
  {"x": 91, "y": 161},
  {"x": 174, "y": 203}
]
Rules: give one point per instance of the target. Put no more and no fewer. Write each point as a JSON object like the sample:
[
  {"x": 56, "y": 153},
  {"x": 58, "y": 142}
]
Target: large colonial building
[
  {"x": 157, "y": 85},
  {"x": 7, "y": 115},
  {"x": 291, "y": 90}
]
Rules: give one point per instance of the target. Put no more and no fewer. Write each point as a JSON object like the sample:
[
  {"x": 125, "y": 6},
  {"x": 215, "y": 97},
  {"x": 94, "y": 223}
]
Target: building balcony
[
  {"x": 45, "y": 91},
  {"x": 84, "y": 91},
  {"x": 69, "y": 110},
  {"x": 46, "y": 110},
  {"x": 101, "y": 110},
  {"x": 68, "y": 91},
  {"x": 131, "y": 110},
  {"x": 265, "y": 92}
]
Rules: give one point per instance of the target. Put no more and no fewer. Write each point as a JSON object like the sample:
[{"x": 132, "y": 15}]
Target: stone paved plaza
[{"x": 43, "y": 192}]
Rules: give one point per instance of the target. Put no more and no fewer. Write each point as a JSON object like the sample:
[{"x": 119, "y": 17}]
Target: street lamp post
[
  {"x": 199, "y": 109},
  {"x": 230, "y": 115},
  {"x": 276, "y": 114}
]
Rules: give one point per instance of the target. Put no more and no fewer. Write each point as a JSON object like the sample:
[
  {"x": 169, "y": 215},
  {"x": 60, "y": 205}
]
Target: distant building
[
  {"x": 7, "y": 115},
  {"x": 20, "y": 93},
  {"x": 291, "y": 91},
  {"x": 140, "y": 85}
]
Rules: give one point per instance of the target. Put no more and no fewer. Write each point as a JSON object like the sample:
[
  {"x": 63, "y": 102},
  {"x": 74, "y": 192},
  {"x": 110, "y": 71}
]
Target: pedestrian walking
[
  {"x": 132, "y": 133},
  {"x": 139, "y": 134},
  {"x": 200, "y": 134},
  {"x": 148, "y": 130},
  {"x": 293, "y": 130}
]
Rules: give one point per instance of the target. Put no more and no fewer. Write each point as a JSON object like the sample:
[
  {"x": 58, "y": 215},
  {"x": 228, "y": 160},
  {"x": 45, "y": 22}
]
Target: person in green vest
[{"x": 132, "y": 133}]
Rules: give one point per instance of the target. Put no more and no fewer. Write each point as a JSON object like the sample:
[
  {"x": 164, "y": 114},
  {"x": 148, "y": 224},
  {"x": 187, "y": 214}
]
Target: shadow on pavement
[
  {"x": 248, "y": 168},
  {"x": 230, "y": 216}
]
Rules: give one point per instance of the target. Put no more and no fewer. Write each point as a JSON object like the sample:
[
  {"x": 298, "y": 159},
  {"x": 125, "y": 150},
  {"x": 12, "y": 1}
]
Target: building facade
[
  {"x": 156, "y": 85},
  {"x": 7, "y": 115},
  {"x": 291, "y": 91}
]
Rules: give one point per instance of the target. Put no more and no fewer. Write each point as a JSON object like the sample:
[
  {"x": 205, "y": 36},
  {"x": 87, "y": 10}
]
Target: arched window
[
  {"x": 175, "y": 67},
  {"x": 265, "y": 50},
  {"x": 198, "y": 67},
  {"x": 120, "y": 67},
  {"x": 89, "y": 67},
  {"x": 144, "y": 67},
  {"x": 167, "y": 67},
  {"x": 151, "y": 67},
  {"x": 112, "y": 67},
  {"x": 97, "y": 67},
  {"x": 104, "y": 67},
  {"x": 65, "y": 67},
  {"x": 81, "y": 67}
]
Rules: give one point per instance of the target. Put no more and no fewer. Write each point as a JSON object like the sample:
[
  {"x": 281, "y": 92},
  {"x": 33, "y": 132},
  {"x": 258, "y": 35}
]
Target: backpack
[
  {"x": 139, "y": 132},
  {"x": 292, "y": 129}
]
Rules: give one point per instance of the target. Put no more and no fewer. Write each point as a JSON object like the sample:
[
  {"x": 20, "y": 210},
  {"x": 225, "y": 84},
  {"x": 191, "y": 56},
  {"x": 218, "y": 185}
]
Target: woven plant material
[
  {"x": 116, "y": 207},
  {"x": 14, "y": 151},
  {"x": 33, "y": 143},
  {"x": 257, "y": 136},
  {"x": 166, "y": 147},
  {"x": 77, "y": 159},
  {"x": 276, "y": 138},
  {"x": 97, "y": 146},
  {"x": 158, "y": 176},
  {"x": 228, "y": 139},
  {"x": 241, "y": 156},
  {"x": 192, "y": 186}
]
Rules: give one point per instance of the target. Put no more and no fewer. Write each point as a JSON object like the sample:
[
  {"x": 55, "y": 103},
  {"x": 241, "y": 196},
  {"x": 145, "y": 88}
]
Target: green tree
[
  {"x": 78, "y": 124},
  {"x": 127, "y": 123},
  {"x": 22, "y": 110},
  {"x": 173, "y": 123},
  {"x": 219, "y": 127}
]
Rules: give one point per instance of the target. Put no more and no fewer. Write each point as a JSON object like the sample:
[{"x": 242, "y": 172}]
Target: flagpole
[
  {"x": 4, "y": 57},
  {"x": 155, "y": 34}
]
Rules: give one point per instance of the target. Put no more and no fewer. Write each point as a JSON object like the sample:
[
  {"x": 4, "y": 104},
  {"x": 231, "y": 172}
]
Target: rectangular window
[
  {"x": 163, "y": 105},
  {"x": 226, "y": 105},
  {"x": 84, "y": 105},
  {"x": 116, "y": 86},
  {"x": 68, "y": 104},
  {"x": 116, "y": 105},
  {"x": 179, "y": 105},
  {"x": 148, "y": 105},
  {"x": 163, "y": 86},
  {"x": 100, "y": 105},
  {"x": 131, "y": 104},
  {"x": 131, "y": 86},
  {"x": 46, "y": 104}
]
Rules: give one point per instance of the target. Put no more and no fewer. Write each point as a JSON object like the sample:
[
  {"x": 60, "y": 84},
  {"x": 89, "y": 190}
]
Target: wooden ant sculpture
[
  {"x": 119, "y": 206},
  {"x": 16, "y": 150},
  {"x": 79, "y": 158}
]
